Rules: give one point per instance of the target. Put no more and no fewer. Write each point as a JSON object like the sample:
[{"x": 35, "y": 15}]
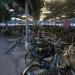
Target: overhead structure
[{"x": 60, "y": 8}]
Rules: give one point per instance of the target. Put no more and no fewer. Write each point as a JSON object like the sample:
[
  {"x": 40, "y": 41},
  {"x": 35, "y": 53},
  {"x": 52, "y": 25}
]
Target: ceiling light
[
  {"x": 23, "y": 16},
  {"x": 42, "y": 15},
  {"x": 57, "y": 17},
  {"x": 63, "y": 16},
  {"x": 45, "y": 12},
  {"x": 30, "y": 19},
  {"x": 48, "y": 0}
]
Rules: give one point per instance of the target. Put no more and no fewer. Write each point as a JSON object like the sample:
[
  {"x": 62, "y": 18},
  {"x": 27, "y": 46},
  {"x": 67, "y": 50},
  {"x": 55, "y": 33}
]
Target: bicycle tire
[
  {"x": 35, "y": 69},
  {"x": 20, "y": 42},
  {"x": 33, "y": 58},
  {"x": 28, "y": 58}
]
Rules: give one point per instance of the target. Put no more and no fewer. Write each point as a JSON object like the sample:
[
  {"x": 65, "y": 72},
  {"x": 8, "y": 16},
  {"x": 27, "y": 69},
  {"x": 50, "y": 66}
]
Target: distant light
[
  {"x": 18, "y": 18},
  {"x": 55, "y": 0},
  {"x": 63, "y": 16},
  {"x": 61, "y": 1},
  {"x": 57, "y": 17},
  {"x": 42, "y": 15},
  {"x": 13, "y": 18},
  {"x": 30, "y": 19},
  {"x": 73, "y": 24},
  {"x": 74, "y": 12},
  {"x": 48, "y": 0},
  {"x": 45, "y": 12},
  {"x": 43, "y": 9},
  {"x": 41, "y": 19},
  {"x": 11, "y": 10},
  {"x": 23, "y": 16}
]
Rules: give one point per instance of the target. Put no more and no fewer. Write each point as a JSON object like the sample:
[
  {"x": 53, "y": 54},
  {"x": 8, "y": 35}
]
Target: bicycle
[
  {"x": 20, "y": 41},
  {"x": 57, "y": 66},
  {"x": 40, "y": 50},
  {"x": 35, "y": 53}
]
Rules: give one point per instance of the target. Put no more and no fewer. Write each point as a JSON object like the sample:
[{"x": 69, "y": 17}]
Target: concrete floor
[{"x": 7, "y": 62}]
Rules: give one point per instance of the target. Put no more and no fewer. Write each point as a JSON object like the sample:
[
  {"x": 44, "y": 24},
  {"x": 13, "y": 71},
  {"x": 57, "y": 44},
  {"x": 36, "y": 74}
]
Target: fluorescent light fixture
[
  {"x": 55, "y": 0},
  {"x": 18, "y": 18},
  {"x": 30, "y": 19},
  {"x": 46, "y": 12},
  {"x": 48, "y": 0},
  {"x": 57, "y": 17},
  {"x": 74, "y": 12},
  {"x": 13, "y": 18},
  {"x": 63, "y": 16},
  {"x": 23, "y": 16},
  {"x": 41, "y": 19},
  {"x": 43, "y": 9},
  {"x": 42, "y": 15}
]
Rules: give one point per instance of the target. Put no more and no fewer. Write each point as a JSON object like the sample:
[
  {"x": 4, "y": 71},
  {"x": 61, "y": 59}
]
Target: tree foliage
[
  {"x": 4, "y": 13},
  {"x": 6, "y": 5}
]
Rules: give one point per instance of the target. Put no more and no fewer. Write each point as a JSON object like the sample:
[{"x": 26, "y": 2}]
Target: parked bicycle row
[{"x": 49, "y": 57}]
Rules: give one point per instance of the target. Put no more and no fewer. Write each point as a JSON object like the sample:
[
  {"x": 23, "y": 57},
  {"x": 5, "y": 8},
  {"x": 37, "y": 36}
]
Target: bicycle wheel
[
  {"x": 28, "y": 58},
  {"x": 31, "y": 57},
  {"x": 20, "y": 42},
  {"x": 35, "y": 70}
]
